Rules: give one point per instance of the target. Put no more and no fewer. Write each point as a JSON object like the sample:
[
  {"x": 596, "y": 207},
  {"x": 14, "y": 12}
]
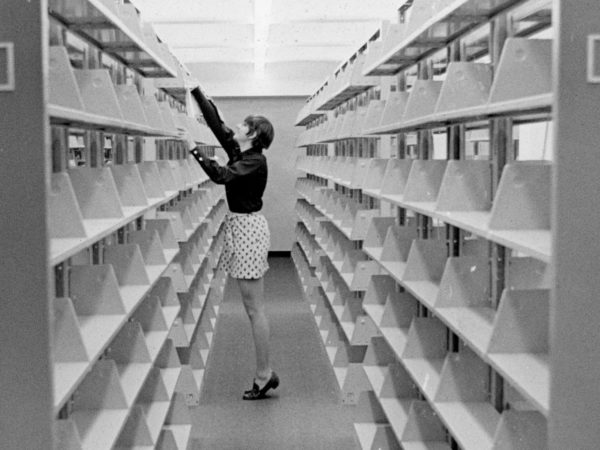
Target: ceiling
[{"x": 264, "y": 47}]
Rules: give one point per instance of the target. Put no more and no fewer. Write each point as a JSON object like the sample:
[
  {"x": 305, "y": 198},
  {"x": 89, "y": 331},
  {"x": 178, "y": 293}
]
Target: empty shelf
[
  {"x": 89, "y": 18},
  {"x": 433, "y": 25}
]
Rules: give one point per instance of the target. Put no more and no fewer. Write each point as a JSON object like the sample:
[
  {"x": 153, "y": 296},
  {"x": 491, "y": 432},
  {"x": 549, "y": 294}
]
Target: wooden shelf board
[
  {"x": 375, "y": 312},
  {"x": 396, "y": 338},
  {"x": 425, "y": 291},
  {"x": 376, "y": 376},
  {"x": 528, "y": 373},
  {"x": 365, "y": 432},
  {"x": 170, "y": 376},
  {"x": 395, "y": 269},
  {"x": 348, "y": 328},
  {"x": 426, "y": 208},
  {"x": 99, "y": 428},
  {"x": 198, "y": 377},
  {"x": 474, "y": 325},
  {"x": 342, "y": 95},
  {"x": 473, "y": 425},
  {"x": 60, "y": 115},
  {"x": 155, "y": 272},
  {"x": 538, "y": 105},
  {"x": 396, "y": 411},
  {"x": 132, "y": 378},
  {"x": 376, "y": 193},
  {"x": 98, "y": 330},
  {"x": 154, "y": 341},
  {"x": 181, "y": 433},
  {"x": 62, "y": 249},
  {"x": 526, "y": 105},
  {"x": 340, "y": 375},
  {"x": 426, "y": 373},
  {"x": 425, "y": 445},
  {"x": 132, "y": 295},
  {"x": 156, "y": 412},
  {"x": 475, "y": 222},
  {"x": 308, "y": 118},
  {"x": 66, "y": 377},
  {"x": 535, "y": 243},
  {"x": 374, "y": 252}
]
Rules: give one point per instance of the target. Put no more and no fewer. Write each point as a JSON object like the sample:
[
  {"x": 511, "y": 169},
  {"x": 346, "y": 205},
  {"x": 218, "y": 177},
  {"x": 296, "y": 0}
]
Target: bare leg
[{"x": 253, "y": 297}]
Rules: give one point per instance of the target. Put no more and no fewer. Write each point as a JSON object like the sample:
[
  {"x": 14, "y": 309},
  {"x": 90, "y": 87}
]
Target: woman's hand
[{"x": 187, "y": 137}]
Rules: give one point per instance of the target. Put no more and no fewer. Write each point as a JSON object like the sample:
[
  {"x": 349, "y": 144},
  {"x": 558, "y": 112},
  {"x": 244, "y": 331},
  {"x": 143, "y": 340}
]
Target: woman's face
[{"x": 241, "y": 133}]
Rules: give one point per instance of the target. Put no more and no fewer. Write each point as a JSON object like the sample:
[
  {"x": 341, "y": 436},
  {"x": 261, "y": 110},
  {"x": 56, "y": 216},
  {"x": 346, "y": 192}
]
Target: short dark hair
[{"x": 263, "y": 128}]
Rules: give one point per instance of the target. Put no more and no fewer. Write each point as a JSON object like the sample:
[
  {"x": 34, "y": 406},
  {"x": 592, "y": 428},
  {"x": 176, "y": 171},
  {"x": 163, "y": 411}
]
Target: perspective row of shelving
[
  {"x": 87, "y": 204},
  {"x": 135, "y": 233},
  {"x": 153, "y": 292},
  {"x": 456, "y": 192},
  {"x": 445, "y": 341},
  {"x": 521, "y": 86},
  {"x": 395, "y": 357},
  {"x": 89, "y": 99},
  {"x": 433, "y": 26},
  {"x": 423, "y": 267},
  {"x": 116, "y": 29}
]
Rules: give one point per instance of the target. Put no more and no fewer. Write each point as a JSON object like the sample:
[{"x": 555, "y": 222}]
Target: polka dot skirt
[{"x": 247, "y": 242}]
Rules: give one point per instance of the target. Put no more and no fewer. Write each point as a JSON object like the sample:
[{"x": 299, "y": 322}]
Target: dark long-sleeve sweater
[{"x": 245, "y": 174}]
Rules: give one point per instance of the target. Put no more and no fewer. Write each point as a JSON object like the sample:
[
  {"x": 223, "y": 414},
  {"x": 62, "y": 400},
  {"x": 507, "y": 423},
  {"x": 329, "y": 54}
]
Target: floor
[{"x": 305, "y": 412}]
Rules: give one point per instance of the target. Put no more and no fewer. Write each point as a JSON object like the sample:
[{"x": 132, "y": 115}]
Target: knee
[{"x": 254, "y": 312}]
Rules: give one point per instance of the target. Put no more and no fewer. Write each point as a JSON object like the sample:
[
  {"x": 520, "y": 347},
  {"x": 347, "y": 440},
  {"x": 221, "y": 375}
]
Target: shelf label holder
[
  {"x": 7, "y": 66},
  {"x": 593, "y": 59}
]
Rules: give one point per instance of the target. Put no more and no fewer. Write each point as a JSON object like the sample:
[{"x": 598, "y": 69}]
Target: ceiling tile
[
  {"x": 312, "y": 33},
  {"x": 310, "y": 10},
  {"x": 206, "y": 35},
  {"x": 238, "y": 11},
  {"x": 218, "y": 55},
  {"x": 313, "y": 53}
]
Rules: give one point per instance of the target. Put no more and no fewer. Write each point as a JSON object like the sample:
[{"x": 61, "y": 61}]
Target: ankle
[{"x": 264, "y": 375}]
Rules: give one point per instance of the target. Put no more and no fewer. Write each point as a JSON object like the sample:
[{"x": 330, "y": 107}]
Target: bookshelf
[
  {"x": 465, "y": 303},
  {"x": 126, "y": 231}
]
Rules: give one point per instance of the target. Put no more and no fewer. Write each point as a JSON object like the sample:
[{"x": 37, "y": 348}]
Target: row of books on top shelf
[
  {"x": 456, "y": 192},
  {"x": 124, "y": 398},
  {"x": 88, "y": 98},
  {"x": 407, "y": 355},
  {"x": 521, "y": 84},
  {"x": 117, "y": 29},
  {"x": 103, "y": 297},
  {"x": 86, "y": 204}
]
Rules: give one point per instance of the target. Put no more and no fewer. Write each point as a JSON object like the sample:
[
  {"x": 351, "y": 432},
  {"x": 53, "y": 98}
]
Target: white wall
[{"x": 280, "y": 195}]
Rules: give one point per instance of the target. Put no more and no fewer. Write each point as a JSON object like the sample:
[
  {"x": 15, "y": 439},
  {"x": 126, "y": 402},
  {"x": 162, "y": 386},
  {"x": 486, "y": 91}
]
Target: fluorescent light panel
[{"x": 262, "y": 18}]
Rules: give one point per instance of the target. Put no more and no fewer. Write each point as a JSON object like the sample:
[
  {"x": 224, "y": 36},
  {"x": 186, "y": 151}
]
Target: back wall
[{"x": 280, "y": 194}]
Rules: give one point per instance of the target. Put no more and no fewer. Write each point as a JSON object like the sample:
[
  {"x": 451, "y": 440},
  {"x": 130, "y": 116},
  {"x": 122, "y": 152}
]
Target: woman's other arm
[{"x": 224, "y": 174}]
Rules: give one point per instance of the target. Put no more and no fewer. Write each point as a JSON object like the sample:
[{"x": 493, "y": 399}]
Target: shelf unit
[
  {"x": 460, "y": 219},
  {"x": 132, "y": 233}
]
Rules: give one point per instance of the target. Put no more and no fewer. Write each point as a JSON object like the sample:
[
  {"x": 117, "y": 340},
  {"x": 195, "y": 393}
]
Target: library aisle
[
  {"x": 432, "y": 202},
  {"x": 305, "y": 412}
]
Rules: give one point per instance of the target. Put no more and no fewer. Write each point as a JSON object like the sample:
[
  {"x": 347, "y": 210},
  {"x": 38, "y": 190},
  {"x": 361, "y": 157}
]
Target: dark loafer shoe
[{"x": 256, "y": 393}]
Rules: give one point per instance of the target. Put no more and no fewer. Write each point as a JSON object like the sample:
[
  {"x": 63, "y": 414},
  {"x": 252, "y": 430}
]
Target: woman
[{"x": 247, "y": 236}]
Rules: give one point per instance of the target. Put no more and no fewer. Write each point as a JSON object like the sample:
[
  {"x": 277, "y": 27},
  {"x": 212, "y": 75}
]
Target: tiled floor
[{"x": 305, "y": 412}]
